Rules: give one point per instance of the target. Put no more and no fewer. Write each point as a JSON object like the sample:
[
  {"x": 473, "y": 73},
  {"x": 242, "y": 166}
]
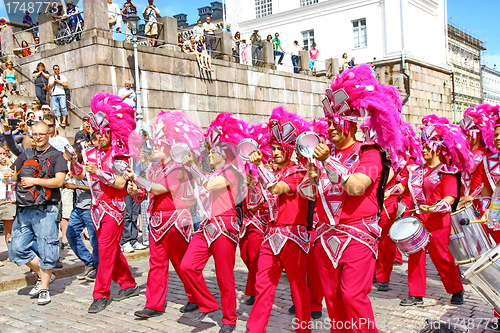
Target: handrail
[
  {"x": 34, "y": 27},
  {"x": 29, "y": 76},
  {"x": 74, "y": 105}
]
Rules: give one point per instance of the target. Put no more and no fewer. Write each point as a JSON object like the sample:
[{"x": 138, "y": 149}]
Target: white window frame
[
  {"x": 357, "y": 33},
  {"x": 304, "y": 3},
  {"x": 263, "y": 8},
  {"x": 308, "y": 40}
]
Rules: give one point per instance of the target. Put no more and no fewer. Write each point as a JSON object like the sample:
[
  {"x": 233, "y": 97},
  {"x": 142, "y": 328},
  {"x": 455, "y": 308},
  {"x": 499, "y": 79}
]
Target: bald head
[
  {"x": 40, "y": 127},
  {"x": 127, "y": 84}
]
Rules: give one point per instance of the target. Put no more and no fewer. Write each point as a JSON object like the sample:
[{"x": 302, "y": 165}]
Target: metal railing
[
  {"x": 142, "y": 39},
  {"x": 66, "y": 33}
]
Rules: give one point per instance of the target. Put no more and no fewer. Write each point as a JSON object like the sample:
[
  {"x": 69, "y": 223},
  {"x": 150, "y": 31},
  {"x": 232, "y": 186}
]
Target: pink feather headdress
[
  {"x": 411, "y": 142},
  {"x": 356, "y": 93},
  {"x": 112, "y": 117},
  {"x": 481, "y": 119},
  {"x": 320, "y": 127},
  {"x": 174, "y": 127},
  {"x": 285, "y": 127},
  {"x": 438, "y": 133},
  {"x": 259, "y": 132}
]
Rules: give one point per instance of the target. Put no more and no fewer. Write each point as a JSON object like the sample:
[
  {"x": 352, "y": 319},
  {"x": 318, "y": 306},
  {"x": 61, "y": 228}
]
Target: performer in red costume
[
  {"x": 170, "y": 196},
  {"x": 218, "y": 236},
  {"x": 286, "y": 243},
  {"x": 432, "y": 187},
  {"x": 387, "y": 250},
  {"x": 114, "y": 123},
  {"x": 352, "y": 180}
]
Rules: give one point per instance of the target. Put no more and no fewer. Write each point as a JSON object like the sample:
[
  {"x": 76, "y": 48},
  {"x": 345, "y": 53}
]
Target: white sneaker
[
  {"x": 127, "y": 248},
  {"x": 139, "y": 246},
  {"x": 36, "y": 289},
  {"x": 44, "y": 297},
  {"x": 52, "y": 278}
]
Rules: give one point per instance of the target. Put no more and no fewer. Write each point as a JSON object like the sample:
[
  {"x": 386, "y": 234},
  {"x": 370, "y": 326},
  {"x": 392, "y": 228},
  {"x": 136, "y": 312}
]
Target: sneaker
[
  {"x": 43, "y": 297},
  {"x": 35, "y": 291},
  {"x": 411, "y": 300},
  {"x": 291, "y": 310},
  {"x": 52, "y": 278},
  {"x": 64, "y": 245},
  {"x": 147, "y": 313},
  {"x": 127, "y": 248},
  {"x": 458, "y": 298},
  {"x": 250, "y": 300},
  {"x": 98, "y": 305},
  {"x": 226, "y": 328},
  {"x": 383, "y": 286},
  {"x": 189, "y": 307},
  {"x": 88, "y": 270},
  {"x": 316, "y": 314},
  {"x": 139, "y": 246},
  {"x": 92, "y": 276},
  {"x": 59, "y": 263},
  {"x": 126, "y": 293}
]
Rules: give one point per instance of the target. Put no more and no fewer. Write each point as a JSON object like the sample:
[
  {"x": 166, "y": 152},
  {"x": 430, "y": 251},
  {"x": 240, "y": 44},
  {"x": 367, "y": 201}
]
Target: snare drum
[
  {"x": 246, "y": 148},
  {"x": 467, "y": 242},
  {"x": 484, "y": 275},
  {"x": 409, "y": 234}
]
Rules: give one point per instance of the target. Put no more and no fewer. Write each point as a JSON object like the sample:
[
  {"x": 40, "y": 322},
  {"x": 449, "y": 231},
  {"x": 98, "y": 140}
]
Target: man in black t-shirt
[{"x": 35, "y": 218}]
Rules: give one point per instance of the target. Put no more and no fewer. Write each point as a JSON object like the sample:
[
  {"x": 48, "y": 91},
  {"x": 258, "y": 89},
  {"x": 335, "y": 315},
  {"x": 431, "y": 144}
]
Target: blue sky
[{"x": 480, "y": 18}]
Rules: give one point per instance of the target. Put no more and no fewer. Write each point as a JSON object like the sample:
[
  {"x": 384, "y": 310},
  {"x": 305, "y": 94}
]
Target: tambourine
[
  {"x": 178, "y": 151},
  {"x": 306, "y": 144},
  {"x": 119, "y": 167},
  {"x": 247, "y": 147}
]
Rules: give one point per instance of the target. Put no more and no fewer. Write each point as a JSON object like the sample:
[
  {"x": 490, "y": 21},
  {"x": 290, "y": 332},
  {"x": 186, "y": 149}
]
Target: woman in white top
[{"x": 7, "y": 209}]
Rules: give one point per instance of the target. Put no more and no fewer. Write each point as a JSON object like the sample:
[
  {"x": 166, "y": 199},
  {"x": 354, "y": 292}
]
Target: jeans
[
  {"x": 280, "y": 54},
  {"x": 41, "y": 94},
  {"x": 256, "y": 55},
  {"x": 295, "y": 62},
  {"x": 130, "y": 230},
  {"x": 78, "y": 220},
  {"x": 59, "y": 105},
  {"x": 35, "y": 224}
]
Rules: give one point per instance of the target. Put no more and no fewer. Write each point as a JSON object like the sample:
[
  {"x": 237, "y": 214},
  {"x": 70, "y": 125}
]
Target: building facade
[
  {"x": 465, "y": 56},
  {"x": 490, "y": 83}
]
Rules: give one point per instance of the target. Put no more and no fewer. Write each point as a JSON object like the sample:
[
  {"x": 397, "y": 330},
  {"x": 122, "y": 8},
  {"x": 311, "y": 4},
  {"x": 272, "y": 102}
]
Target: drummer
[
  {"x": 433, "y": 188},
  {"x": 348, "y": 206}
]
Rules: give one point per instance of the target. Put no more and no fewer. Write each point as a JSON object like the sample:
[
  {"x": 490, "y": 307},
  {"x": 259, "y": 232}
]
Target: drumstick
[
  {"x": 383, "y": 205},
  {"x": 415, "y": 209}
]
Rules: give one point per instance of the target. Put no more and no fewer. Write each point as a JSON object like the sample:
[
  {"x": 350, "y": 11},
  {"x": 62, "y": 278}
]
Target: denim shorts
[{"x": 35, "y": 224}]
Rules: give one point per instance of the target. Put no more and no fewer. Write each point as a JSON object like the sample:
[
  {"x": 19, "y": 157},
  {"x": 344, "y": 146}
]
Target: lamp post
[{"x": 134, "y": 25}]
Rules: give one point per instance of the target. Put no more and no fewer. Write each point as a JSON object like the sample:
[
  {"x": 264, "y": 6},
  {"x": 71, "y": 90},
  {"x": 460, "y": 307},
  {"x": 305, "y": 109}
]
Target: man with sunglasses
[{"x": 36, "y": 214}]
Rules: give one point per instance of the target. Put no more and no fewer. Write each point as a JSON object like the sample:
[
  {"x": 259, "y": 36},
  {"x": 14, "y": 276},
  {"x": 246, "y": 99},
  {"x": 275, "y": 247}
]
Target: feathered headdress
[
  {"x": 285, "y": 127},
  {"x": 481, "y": 119},
  {"x": 112, "y": 117},
  {"x": 174, "y": 127},
  {"x": 320, "y": 127},
  {"x": 259, "y": 132},
  {"x": 356, "y": 93},
  {"x": 411, "y": 142},
  {"x": 438, "y": 133}
]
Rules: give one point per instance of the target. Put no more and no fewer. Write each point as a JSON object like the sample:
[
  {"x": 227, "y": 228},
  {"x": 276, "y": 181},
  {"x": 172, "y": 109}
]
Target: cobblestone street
[{"x": 70, "y": 299}]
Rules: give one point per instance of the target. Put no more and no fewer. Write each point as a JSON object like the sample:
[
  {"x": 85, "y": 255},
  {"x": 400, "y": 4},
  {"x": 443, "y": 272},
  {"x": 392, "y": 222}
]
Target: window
[
  {"x": 307, "y": 2},
  {"x": 359, "y": 33},
  {"x": 263, "y": 8},
  {"x": 308, "y": 38}
]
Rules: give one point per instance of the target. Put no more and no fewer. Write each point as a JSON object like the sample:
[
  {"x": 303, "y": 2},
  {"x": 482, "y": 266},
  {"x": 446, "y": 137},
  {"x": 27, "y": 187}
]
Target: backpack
[{"x": 35, "y": 167}]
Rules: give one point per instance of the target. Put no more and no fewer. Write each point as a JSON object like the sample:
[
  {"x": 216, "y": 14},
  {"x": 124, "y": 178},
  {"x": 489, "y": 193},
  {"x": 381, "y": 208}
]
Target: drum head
[
  {"x": 247, "y": 147},
  {"x": 306, "y": 144},
  {"x": 179, "y": 150},
  {"x": 404, "y": 228}
]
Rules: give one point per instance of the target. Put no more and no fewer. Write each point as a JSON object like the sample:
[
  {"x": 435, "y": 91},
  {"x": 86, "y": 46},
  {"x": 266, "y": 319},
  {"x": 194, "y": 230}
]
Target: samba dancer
[
  {"x": 170, "y": 198},
  {"x": 348, "y": 205},
  {"x": 114, "y": 124},
  {"x": 286, "y": 243},
  {"x": 218, "y": 236},
  {"x": 432, "y": 187}
]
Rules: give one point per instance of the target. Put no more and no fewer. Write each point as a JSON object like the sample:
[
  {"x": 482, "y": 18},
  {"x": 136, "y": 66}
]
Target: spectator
[
  {"x": 245, "y": 51},
  {"x": 313, "y": 58},
  {"x": 10, "y": 108},
  {"x": 277, "y": 48},
  {"x": 7, "y": 209},
  {"x": 73, "y": 12},
  {"x": 351, "y": 63},
  {"x": 198, "y": 31},
  {"x": 236, "y": 48},
  {"x": 10, "y": 79},
  {"x": 46, "y": 110},
  {"x": 180, "y": 41},
  {"x": 269, "y": 38},
  {"x": 80, "y": 219},
  {"x": 36, "y": 221},
  {"x": 27, "y": 20},
  {"x": 85, "y": 134},
  {"x": 57, "y": 85},
  {"x": 296, "y": 48},
  {"x": 3, "y": 100},
  {"x": 345, "y": 62},
  {"x": 256, "y": 47},
  {"x": 201, "y": 51},
  {"x": 372, "y": 67},
  {"x": 36, "y": 45},
  {"x": 36, "y": 107},
  {"x": 114, "y": 17},
  {"x": 41, "y": 77},
  {"x": 128, "y": 94},
  {"x": 25, "y": 49},
  {"x": 147, "y": 144},
  {"x": 128, "y": 10},
  {"x": 151, "y": 14},
  {"x": 209, "y": 29},
  {"x": 228, "y": 28},
  {"x": 23, "y": 105}
]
